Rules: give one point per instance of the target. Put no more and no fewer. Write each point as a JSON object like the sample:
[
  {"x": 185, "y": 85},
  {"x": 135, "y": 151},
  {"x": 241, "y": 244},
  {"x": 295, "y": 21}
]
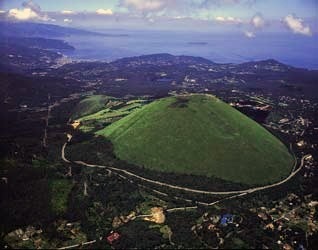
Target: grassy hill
[
  {"x": 200, "y": 135},
  {"x": 97, "y": 111},
  {"x": 90, "y": 105}
]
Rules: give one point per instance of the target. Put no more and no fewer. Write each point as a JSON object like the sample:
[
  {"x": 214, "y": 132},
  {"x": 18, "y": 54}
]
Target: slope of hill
[
  {"x": 30, "y": 29},
  {"x": 160, "y": 73},
  {"x": 30, "y": 54},
  {"x": 200, "y": 135},
  {"x": 26, "y": 29},
  {"x": 90, "y": 105},
  {"x": 33, "y": 91},
  {"x": 162, "y": 59},
  {"x": 36, "y": 42},
  {"x": 22, "y": 59}
]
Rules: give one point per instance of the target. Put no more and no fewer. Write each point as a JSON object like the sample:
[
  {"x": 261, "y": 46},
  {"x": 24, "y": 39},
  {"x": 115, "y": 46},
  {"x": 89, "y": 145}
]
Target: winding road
[{"x": 234, "y": 192}]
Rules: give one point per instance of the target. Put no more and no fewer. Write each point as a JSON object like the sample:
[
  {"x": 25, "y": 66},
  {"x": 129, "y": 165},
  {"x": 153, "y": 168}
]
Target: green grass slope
[
  {"x": 200, "y": 135},
  {"x": 96, "y": 112},
  {"x": 90, "y": 105}
]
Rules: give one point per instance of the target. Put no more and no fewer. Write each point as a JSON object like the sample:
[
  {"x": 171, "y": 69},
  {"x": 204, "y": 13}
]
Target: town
[{"x": 103, "y": 209}]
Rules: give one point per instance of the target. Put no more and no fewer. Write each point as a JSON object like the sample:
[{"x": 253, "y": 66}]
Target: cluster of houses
[
  {"x": 288, "y": 219},
  {"x": 214, "y": 226}
]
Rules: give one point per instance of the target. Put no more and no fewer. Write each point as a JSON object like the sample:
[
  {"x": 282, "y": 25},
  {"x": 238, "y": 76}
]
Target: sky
[{"x": 250, "y": 17}]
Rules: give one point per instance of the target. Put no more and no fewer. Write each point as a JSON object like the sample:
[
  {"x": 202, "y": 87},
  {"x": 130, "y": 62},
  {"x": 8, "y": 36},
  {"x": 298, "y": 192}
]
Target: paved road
[
  {"x": 234, "y": 192},
  {"x": 78, "y": 245}
]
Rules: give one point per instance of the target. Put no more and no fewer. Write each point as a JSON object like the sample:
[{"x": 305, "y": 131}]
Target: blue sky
[
  {"x": 56, "y": 5},
  {"x": 273, "y": 8},
  {"x": 248, "y": 16}
]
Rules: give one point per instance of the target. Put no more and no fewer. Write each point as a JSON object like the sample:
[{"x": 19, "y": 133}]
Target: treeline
[{"x": 98, "y": 150}]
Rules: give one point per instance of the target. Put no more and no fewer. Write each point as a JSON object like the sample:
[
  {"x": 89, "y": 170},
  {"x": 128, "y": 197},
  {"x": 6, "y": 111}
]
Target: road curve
[{"x": 251, "y": 190}]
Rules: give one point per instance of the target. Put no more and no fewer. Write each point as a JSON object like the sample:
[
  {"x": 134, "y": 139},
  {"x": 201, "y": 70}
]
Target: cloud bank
[
  {"x": 229, "y": 20},
  {"x": 67, "y": 20},
  {"x": 218, "y": 3},
  {"x": 23, "y": 14},
  {"x": 145, "y": 5},
  {"x": 30, "y": 11},
  {"x": 296, "y": 25},
  {"x": 197, "y": 14},
  {"x": 104, "y": 12},
  {"x": 249, "y": 34},
  {"x": 258, "y": 21},
  {"x": 67, "y": 12}
]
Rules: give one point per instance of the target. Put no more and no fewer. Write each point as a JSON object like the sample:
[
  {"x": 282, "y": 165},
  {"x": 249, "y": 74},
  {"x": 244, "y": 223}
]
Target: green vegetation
[
  {"x": 150, "y": 202},
  {"x": 60, "y": 190},
  {"x": 24, "y": 198},
  {"x": 166, "y": 231},
  {"x": 239, "y": 244},
  {"x": 200, "y": 135},
  {"x": 99, "y": 111},
  {"x": 90, "y": 105}
]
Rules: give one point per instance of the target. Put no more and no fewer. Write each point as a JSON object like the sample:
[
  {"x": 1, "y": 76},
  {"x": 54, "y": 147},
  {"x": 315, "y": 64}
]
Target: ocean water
[{"x": 291, "y": 49}]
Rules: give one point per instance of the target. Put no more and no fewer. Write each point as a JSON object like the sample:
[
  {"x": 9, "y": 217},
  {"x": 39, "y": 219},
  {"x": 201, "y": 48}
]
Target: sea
[{"x": 292, "y": 49}]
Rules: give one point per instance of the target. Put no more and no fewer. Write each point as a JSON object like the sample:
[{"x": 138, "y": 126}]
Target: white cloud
[
  {"x": 104, "y": 12},
  {"x": 179, "y": 17},
  {"x": 143, "y": 5},
  {"x": 23, "y": 14},
  {"x": 175, "y": 7},
  {"x": 66, "y": 20},
  {"x": 249, "y": 34},
  {"x": 187, "y": 6},
  {"x": 220, "y": 19},
  {"x": 229, "y": 19},
  {"x": 67, "y": 12},
  {"x": 297, "y": 25},
  {"x": 209, "y": 3},
  {"x": 147, "y": 6},
  {"x": 258, "y": 21},
  {"x": 2, "y": 11},
  {"x": 30, "y": 11}
]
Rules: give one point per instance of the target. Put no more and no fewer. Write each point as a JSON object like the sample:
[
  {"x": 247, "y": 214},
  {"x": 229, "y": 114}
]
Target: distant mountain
[
  {"x": 36, "y": 42},
  {"x": 269, "y": 64},
  {"x": 23, "y": 59},
  {"x": 28, "y": 54},
  {"x": 163, "y": 59},
  {"x": 161, "y": 73},
  {"x": 273, "y": 69},
  {"x": 147, "y": 65},
  {"x": 153, "y": 62},
  {"x": 27, "y": 29}
]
